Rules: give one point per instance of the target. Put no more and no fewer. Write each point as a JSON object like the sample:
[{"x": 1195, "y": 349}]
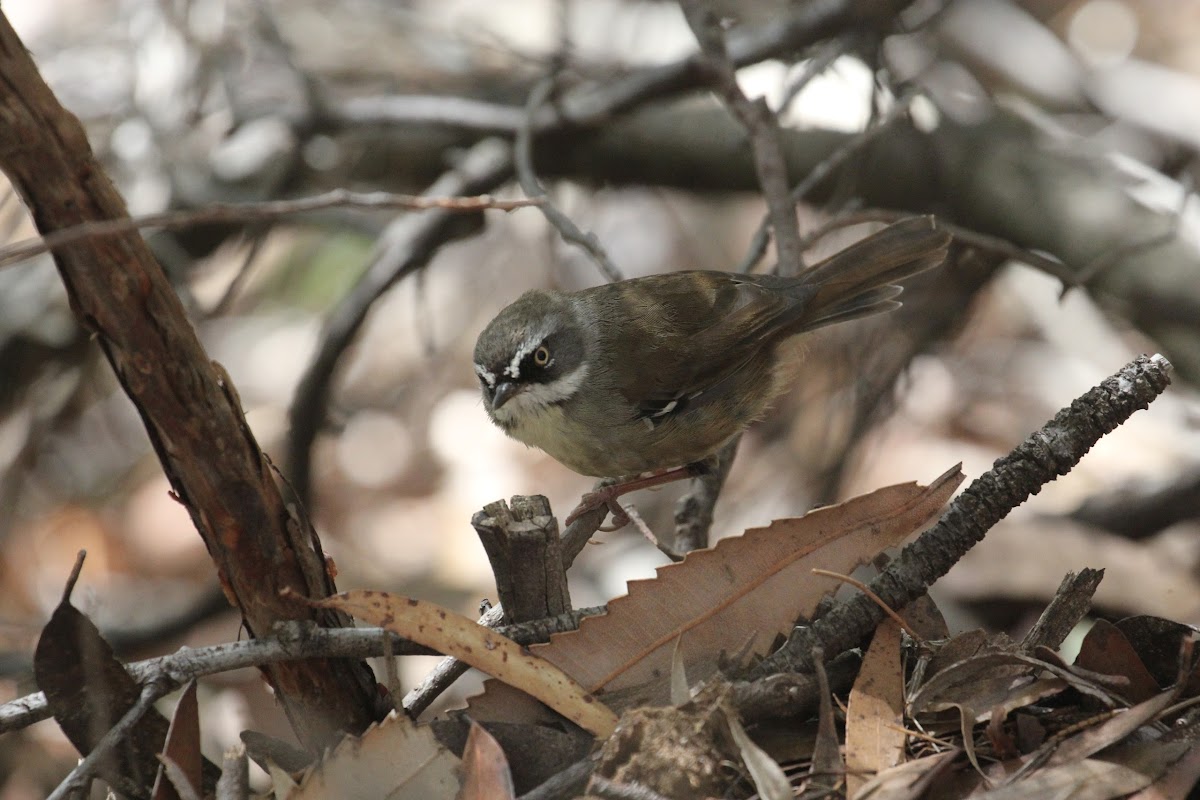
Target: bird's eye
[{"x": 541, "y": 356}]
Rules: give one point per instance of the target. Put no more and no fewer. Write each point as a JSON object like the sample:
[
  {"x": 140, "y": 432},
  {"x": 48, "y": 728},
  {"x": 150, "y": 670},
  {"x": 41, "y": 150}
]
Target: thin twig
[
  {"x": 266, "y": 210},
  {"x": 532, "y": 187},
  {"x": 862, "y": 587},
  {"x": 445, "y": 672},
  {"x": 694, "y": 511},
  {"x": 762, "y": 127},
  {"x": 257, "y": 239},
  {"x": 85, "y": 770},
  {"x": 636, "y": 518},
  {"x": 234, "y": 783},
  {"x": 826, "y": 54},
  {"x": 291, "y": 642},
  {"x": 762, "y": 237}
]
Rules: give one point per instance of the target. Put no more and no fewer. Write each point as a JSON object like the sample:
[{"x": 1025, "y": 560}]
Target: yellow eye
[{"x": 541, "y": 356}]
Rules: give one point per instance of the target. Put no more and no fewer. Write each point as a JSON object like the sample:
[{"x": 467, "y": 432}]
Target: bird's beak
[{"x": 505, "y": 391}]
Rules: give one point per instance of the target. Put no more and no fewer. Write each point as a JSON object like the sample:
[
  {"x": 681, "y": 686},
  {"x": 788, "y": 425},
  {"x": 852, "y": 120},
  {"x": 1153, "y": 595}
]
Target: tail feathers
[{"x": 860, "y": 280}]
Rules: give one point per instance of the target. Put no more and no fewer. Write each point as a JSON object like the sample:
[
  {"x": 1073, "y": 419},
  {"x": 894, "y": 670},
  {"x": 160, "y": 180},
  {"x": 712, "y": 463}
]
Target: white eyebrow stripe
[
  {"x": 486, "y": 375},
  {"x": 513, "y": 370}
]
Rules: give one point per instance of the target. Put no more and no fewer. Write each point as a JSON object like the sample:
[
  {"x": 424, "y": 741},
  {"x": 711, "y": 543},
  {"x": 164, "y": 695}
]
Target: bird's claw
[{"x": 598, "y": 499}]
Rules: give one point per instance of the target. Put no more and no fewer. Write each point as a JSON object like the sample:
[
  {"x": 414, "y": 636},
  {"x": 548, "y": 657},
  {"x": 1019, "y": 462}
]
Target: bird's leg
[{"x": 607, "y": 495}]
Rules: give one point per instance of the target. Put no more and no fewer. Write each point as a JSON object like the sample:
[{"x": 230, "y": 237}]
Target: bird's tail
[{"x": 861, "y": 279}]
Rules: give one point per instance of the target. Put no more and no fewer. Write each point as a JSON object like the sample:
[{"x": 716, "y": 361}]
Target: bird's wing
[{"x": 686, "y": 333}]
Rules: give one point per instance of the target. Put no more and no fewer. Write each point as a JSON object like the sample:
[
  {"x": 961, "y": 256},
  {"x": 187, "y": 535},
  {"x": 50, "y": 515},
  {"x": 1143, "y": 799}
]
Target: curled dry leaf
[
  {"x": 734, "y": 597},
  {"x": 482, "y": 648}
]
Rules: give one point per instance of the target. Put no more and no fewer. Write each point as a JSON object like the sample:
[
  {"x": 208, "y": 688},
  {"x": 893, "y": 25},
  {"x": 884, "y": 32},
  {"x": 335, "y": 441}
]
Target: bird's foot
[
  {"x": 598, "y": 499},
  {"x": 607, "y": 495}
]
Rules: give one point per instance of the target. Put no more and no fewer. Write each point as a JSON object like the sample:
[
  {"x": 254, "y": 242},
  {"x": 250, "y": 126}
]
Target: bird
[{"x": 642, "y": 381}]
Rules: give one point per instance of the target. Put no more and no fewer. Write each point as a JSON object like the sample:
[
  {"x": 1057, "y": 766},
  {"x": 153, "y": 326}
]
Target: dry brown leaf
[
  {"x": 395, "y": 760},
  {"x": 997, "y": 679},
  {"x": 738, "y": 595},
  {"x": 1177, "y": 781},
  {"x": 1124, "y": 769},
  {"x": 875, "y": 713},
  {"x": 1113, "y": 730},
  {"x": 468, "y": 641},
  {"x": 1083, "y": 780},
  {"x": 89, "y": 690},
  {"x": 911, "y": 779},
  {"x": 486, "y": 775},
  {"x": 1106, "y": 650},
  {"x": 826, "y": 768},
  {"x": 182, "y": 748}
]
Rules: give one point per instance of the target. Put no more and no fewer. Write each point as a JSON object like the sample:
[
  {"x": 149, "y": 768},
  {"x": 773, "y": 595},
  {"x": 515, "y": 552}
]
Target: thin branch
[
  {"x": 827, "y": 53},
  {"x": 694, "y": 511},
  {"x": 762, "y": 237},
  {"x": 445, "y": 672},
  {"x": 292, "y": 641},
  {"x": 762, "y": 127},
  {"x": 1052, "y": 451},
  {"x": 649, "y": 535},
  {"x": 876, "y": 599},
  {"x": 264, "y": 211},
  {"x": 85, "y": 770},
  {"x": 234, "y": 783},
  {"x": 258, "y": 237},
  {"x": 1071, "y": 603},
  {"x": 530, "y": 184}
]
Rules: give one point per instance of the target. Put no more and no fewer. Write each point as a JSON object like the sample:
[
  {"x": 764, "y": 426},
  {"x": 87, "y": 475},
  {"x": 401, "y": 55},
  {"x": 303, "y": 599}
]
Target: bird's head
[{"x": 530, "y": 357}]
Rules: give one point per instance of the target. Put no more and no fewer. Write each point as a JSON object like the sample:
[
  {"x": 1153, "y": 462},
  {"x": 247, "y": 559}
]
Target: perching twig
[
  {"x": 826, "y": 54},
  {"x": 1052, "y": 451},
  {"x": 694, "y": 511},
  {"x": 533, "y": 187},
  {"x": 762, "y": 127}
]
